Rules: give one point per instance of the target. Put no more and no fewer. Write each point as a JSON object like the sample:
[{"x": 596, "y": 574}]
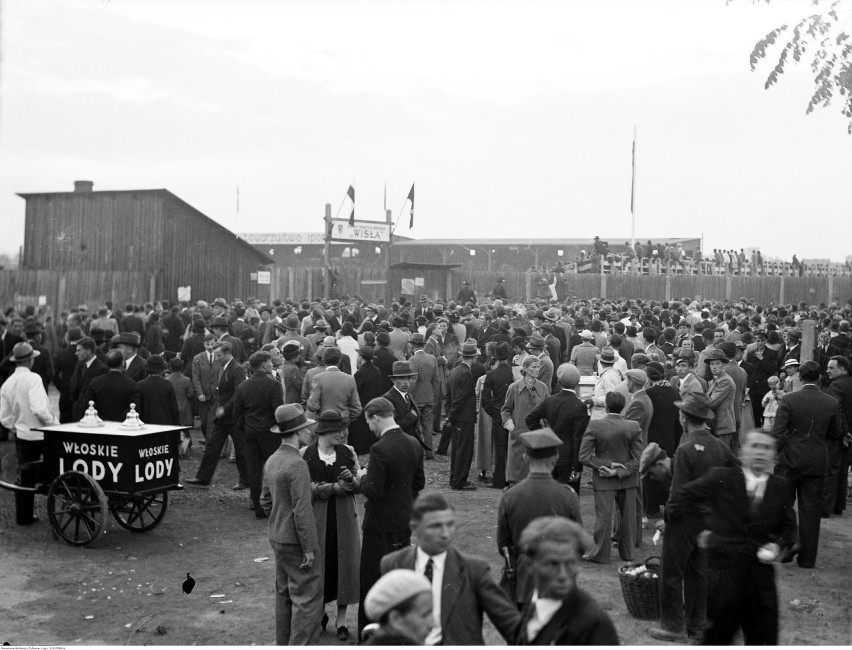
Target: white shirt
[
  {"x": 438, "y": 562},
  {"x": 24, "y": 404},
  {"x": 755, "y": 485},
  {"x": 545, "y": 609},
  {"x": 128, "y": 361}
]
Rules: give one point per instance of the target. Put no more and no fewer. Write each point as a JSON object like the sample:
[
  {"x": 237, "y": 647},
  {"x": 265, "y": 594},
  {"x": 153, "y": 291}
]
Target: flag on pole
[
  {"x": 351, "y": 194},
  {"x": 411, "y": 198}
]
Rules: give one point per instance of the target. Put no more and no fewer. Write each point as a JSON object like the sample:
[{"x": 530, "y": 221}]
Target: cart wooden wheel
[
  {"x": 77, "y": 508},
  {"x": 139, "y": 514}
]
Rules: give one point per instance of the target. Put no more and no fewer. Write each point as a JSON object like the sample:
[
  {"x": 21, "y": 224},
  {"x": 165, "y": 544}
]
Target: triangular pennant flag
[
  {"x": 351, "y": 194},
  {"x": 411, "y": 198}
]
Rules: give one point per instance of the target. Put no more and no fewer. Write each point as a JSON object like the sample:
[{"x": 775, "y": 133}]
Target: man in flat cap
[
  {"x": 721, "y": 397},
  {"x": 538, "y": 495},
  {"x": 683, "y": 586},
  {"x": 401, "y": 604},
  {"x": 558, "y": 612}
]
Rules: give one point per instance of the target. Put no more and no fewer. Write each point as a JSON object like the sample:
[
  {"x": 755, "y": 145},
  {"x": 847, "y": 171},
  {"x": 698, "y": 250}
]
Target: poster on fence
[
  {"x": 185, "y": 293},
  {"x": 418, "y": 282},
  {"x": 407, "y": 286}
]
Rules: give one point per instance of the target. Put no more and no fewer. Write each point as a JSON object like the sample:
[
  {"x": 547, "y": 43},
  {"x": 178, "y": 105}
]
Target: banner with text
[{"x": 373, "y": 231}]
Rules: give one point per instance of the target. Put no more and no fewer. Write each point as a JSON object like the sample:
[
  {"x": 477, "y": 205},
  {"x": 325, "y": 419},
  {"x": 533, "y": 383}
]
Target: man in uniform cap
[
  {"x": 538, "y": 495},
  {"x": 285, "y": 498},
  {"x": 401, "y": 604},
  {"x": 683, "y": 583}
]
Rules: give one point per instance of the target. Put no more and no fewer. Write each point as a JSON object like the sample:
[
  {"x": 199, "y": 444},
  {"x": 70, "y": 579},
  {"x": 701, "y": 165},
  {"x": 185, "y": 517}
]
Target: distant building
[{"x": 152, "y": 231}]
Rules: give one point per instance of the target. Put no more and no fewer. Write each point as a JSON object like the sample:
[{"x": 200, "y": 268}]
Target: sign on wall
[
  {"x": 263, "y": 277},
  {"x": 373, "y": 231},
  {"x": 294, "y": 238}
]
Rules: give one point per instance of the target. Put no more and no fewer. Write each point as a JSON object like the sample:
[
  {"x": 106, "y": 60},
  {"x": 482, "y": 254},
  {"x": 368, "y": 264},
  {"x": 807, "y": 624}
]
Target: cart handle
[{"x": 17, "y": 488}]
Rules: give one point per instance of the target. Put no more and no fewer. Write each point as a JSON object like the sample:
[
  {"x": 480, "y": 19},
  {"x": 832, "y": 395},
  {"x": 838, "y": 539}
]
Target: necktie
[
  {"x": 210, "y": 358},
  {"x": 428, "y": 571}
]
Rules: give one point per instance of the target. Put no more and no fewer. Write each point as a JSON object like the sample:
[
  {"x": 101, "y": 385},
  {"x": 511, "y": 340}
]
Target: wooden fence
[{"x": 63, "y": 290}]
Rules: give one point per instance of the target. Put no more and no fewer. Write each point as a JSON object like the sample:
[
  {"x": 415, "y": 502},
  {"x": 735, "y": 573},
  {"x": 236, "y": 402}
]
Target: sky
[{"x": 512, "y": 118}]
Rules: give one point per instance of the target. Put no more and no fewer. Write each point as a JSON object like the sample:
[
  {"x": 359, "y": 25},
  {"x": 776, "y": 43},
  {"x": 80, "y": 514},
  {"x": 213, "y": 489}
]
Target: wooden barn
[{"x": 140, "y": 231}]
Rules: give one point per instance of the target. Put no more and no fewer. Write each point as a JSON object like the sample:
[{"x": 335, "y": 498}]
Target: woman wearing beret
[{"x": 334, "y": 467}]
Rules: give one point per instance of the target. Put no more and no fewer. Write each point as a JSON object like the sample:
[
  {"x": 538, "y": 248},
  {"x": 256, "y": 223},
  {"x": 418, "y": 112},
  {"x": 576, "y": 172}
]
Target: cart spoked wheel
[
  {"x": 139, "y": 514},
  {"x": 77, "y": 508}
]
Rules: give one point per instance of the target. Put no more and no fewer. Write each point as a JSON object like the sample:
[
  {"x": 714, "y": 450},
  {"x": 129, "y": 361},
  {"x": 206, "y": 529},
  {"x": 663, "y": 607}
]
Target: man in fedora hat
[
  {"x": 461, "y": 416},
  {"x": 406, "y": 413},
  {"x": 43, "y": 364},
  {"x": 220, "y": 326},
  {"x": 255, "y": 403},
  {"x": 285, "y": 498},
  {"x": 497, "y": 382},
  {"x": 683, "y": 584},
  {"x": 157, "y": 398},
  {"x": 134, "y": 365},
  {"x": 231, "y": 375},
  {"x": 426, "y": 385},
  {"x": 114, "y": 392},
  {"x": 24, "y": 406},
  {"x": 721, "y": 394},
  {"x": 288, "y": 330}
]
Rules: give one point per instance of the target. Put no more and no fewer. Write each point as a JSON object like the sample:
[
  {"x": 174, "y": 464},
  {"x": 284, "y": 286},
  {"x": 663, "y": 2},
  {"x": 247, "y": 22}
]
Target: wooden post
[
  {"x": 489, "y": 260},
  {"x": 326, "y": 252},
  {"x": 449, "y": 286},
  {"x": 291, "y": 283},
  {"x": 727, "y": 287},
  {"x": 830, "y": 296},
  {"x": 388, "y": 289},
  {"x": 152, "y": 287},
  {"x": 668, "y": 287},
  {"x": 603, "y": 286},
  {"x": 809, "y": 340},
  {"x": 781, "y": 290},
  {"x": 528, "y": 281},
  {"x": 60, "y": 300}
]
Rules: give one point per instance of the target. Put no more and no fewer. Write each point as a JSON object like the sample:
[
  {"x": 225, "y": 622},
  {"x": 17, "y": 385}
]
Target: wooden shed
[{"x": 151, "y": 231}]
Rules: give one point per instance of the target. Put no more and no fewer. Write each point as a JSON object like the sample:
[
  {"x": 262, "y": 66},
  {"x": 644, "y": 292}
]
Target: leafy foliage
[{"x": 822, "y": 36}]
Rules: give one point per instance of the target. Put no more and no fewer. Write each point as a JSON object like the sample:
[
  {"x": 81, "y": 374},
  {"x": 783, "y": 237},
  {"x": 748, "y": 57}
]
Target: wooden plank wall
[{"x": 66, "y": 289}]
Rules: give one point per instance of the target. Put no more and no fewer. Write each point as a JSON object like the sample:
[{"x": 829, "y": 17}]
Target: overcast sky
[{"x": 513, "y": 118}]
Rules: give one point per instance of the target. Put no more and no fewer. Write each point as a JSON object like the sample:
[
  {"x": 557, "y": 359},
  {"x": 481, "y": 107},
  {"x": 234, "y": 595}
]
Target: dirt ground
[{"x": 126, "y": 588}]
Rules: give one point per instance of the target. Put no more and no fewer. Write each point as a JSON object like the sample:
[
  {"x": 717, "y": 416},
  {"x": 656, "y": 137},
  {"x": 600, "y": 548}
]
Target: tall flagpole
[{"x": 633, "y": 195}]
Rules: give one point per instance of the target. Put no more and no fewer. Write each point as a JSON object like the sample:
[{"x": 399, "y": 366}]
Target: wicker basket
[{"x": 641, "y": 593}]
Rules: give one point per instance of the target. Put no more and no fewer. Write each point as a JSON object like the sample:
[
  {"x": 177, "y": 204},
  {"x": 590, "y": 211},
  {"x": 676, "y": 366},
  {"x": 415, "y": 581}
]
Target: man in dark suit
[
  {"x": 808, "y": 429},
  {"x": 204, "y": 376},
  {"x": 88, "y": 367},
  {"x": 554, "y": 546},
  {"x": 220, "y": 325},
  {"x": 568, "y": 417},
  {"x": 765, "y": 362},
  {"x": 461, "y": 416},
  {"x": 840, "y": 389},
  {"x": 64, "y": 364},
  {"x": 8, "y": 340},
  {"x": 497, "y": 382},
  {"x": 391, "y": 481},
  {"x": 255, "y": 403},
  {"x": 173, "y": 324},
  {"x": 612, "y": 446},
  {"x": 406, "y": 414},
  {"x": 462, "y": 587},
  {"x": 132, "y": 322},
  {"x": 384, "y": 359},
  {"x": 194, "y": 344},
  {"x": 114, "y": 392},
  {"x": 231, "y": 375},
  {"x": 157, "y": 398},
  {"x": 538, "y": 495},
  {"x": 752, "y": 524},
  {"x": 134, "y": 365},
  {"x": 43, "y": 363}
]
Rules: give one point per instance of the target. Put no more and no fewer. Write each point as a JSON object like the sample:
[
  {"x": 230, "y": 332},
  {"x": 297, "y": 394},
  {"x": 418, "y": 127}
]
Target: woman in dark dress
[
  {"x": 333, "y": 467},
  {"x": 368, "y": 381}
]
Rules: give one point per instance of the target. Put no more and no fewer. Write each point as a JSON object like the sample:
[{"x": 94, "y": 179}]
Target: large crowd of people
[{"x": 690, "y": 416}]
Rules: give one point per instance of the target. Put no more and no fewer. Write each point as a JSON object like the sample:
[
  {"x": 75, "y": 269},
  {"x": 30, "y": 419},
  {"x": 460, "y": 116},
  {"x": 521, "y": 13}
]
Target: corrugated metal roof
[{"x": 584, "y": 241}]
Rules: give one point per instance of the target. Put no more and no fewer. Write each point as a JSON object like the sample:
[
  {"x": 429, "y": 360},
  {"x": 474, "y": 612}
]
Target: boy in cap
[
  {"x": 401, "y": 604},
  {"x": 538, "y": 495},
  {"x": 285, "y": 498}
]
